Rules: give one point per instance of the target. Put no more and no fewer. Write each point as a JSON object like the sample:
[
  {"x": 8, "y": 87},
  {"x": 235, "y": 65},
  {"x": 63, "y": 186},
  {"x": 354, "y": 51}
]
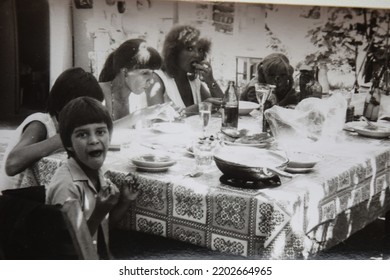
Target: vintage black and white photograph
[{"x": 194, "y": 130}]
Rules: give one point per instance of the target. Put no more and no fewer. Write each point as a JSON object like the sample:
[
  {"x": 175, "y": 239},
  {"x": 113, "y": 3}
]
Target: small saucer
[{"x": 153, "y": 161}]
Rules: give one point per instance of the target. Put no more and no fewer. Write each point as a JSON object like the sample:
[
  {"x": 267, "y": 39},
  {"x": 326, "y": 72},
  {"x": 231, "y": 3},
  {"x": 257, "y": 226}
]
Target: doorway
[
  {"x": 24, "y": 57},
  {"x": 34, "y": 53}
]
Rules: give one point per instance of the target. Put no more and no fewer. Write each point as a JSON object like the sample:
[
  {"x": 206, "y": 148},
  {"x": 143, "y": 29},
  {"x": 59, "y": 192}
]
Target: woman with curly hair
[
  {"x": 185, "y": 78},
  {"x": 274, "y": 69}
]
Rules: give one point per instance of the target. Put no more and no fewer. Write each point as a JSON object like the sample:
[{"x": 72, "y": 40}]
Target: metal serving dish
[{"x": 251, "y": 164}]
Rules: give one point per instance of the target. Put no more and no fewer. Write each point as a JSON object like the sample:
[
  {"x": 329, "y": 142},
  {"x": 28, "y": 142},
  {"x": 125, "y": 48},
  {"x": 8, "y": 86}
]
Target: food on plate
[
  {"x": 154, "y": 158},
  {"x": 254, "y": 138}
]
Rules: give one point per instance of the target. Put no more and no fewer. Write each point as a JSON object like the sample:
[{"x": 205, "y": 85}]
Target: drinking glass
[
  {"x": 262, "y": 92},
  {"x": 205, "y": 114},
  {"x": 204, "y": 153}
]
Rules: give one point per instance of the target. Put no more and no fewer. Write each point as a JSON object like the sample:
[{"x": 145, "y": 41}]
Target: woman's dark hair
[
  {"x": 72, "y": 83},
  {"x": 79, "y": 112},
  {"x": 132, "y": 54},
  {"x": 177, "y": 39}
]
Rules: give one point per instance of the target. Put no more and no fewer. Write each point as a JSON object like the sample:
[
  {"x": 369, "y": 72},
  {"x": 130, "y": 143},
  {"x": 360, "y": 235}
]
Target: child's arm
[
  {"x": 105, "y": 200},
  {"x": 32, "y": 146},
  {"x": 127, "y": 195}
]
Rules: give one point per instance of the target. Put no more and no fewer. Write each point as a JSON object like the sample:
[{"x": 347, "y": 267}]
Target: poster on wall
[{"x": 223, "y": 17}]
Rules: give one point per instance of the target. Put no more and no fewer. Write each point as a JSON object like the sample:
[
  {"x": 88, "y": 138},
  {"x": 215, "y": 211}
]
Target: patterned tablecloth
[{"x": 348, "y": 189}]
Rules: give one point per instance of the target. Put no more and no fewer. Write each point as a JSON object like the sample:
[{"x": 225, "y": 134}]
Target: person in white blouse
[{"x": 37, "y": 136}]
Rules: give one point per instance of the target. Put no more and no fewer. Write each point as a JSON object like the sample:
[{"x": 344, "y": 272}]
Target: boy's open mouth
[{"x": 96, "y": 153}]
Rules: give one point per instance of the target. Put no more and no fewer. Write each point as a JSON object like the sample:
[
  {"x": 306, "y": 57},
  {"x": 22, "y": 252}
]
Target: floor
[{"x": 363, "y": 245}]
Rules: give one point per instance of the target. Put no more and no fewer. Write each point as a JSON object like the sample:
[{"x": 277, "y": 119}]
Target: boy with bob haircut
[{"x": 85, "y": 128}]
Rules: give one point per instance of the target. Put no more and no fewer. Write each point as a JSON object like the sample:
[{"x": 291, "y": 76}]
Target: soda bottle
[
  {"x": 230, "y": 107},
  {"x": 313, "y": 87},
  {"x": 306, "y": 76},
  {"x": 372, "y": 102}
]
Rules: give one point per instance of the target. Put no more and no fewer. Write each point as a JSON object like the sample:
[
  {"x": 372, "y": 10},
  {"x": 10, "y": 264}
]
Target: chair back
[{"x": 30, "y": 229}]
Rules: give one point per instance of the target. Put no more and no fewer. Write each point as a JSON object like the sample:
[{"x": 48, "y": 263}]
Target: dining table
[{"x": 307, "y": 213}]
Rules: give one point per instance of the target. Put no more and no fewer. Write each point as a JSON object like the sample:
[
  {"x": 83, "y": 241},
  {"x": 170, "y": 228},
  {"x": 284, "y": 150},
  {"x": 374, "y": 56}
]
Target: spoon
[
  {"x": 277, "y": 171},
  {"x": 370, "y": 125},
  {"x": 194, "y": 174}
]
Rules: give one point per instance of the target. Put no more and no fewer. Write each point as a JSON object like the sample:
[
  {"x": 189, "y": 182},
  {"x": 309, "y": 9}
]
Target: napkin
[
  {"x": 164, "y": 112},
  {"x": 313, "y": 119}
]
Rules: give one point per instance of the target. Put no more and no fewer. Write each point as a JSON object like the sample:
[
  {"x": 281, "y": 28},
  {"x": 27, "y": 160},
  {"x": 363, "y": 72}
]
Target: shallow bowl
[
  {"x": 153, "y": 161},
  {"x": 302, "y": 159}
]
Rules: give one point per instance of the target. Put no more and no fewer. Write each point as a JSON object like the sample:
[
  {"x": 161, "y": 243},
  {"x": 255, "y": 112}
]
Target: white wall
[
  {"x": 60, "y": 37},
  {"x": 100, "y": 30}
]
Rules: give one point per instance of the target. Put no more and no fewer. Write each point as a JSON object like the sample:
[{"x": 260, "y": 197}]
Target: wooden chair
[{"x": 30, "y": 229}]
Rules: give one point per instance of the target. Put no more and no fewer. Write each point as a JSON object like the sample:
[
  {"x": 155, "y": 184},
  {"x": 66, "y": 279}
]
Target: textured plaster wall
[{"x": 100, "y": 30}]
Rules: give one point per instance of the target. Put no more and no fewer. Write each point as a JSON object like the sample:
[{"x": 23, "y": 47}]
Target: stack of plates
[
  {"x": 301, "y": 162},
  {"x": 153, "y": 163}
]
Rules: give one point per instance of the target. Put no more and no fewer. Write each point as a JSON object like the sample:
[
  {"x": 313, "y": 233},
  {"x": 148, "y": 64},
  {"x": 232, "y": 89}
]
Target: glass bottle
[
  {"x": 230, "y": 107},
  {"x": 372, "y": 102},
  {"x": 322, "y": 78},
  {"x": 314, "y": 87},
  {"x": 306, "y": 76}
]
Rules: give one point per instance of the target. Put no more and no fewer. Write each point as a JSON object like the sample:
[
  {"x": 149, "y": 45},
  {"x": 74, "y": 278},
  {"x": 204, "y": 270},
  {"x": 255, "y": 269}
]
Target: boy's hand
[
  {"x": 107, "y": 198},
  {"x": 127, "y": 195}
]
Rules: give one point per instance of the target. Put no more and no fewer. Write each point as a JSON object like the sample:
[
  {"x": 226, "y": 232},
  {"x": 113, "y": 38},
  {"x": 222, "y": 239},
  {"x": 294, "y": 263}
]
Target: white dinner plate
[
  {"x": 298, "y": 170},
  {"x": 256, "y": 145},
  {"x": 379, "y": 132},
  {"x": 302, "y": 159},
  {"x": 360, "y": 127},
  {"x": 153, "y": 161},
  {"x": 170, "y": 127},
  {"x": 153, "y": 169},
  {"x": 245, "y": 107}
]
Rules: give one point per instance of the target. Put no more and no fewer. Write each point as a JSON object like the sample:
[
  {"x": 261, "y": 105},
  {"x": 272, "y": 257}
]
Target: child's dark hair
[
  {"x": 72, "y": 83},
  {"x": 78, "y": 112}
]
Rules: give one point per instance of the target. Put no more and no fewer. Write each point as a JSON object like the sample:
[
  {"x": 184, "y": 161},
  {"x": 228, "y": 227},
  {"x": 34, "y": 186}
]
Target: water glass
[
  {"x": 205, "y": 114},
  {"x": 204, "y": 154},
  {"x": 262, "y": 92},
  {"x": 347, "y": 94}
]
